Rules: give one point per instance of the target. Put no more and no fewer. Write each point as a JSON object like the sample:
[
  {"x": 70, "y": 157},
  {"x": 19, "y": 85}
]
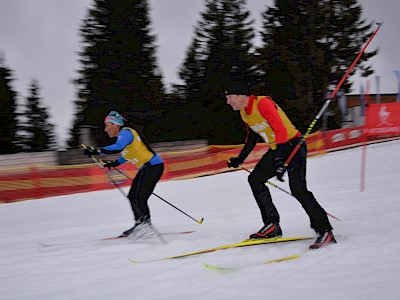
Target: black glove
[
  {"x": 279, "y": 160},
  {"x": 279, "y": 165},
  {"x": 234, "y": 162},
  {"x": 90, "y": 151},
  {"x": 111, "y": 164}
]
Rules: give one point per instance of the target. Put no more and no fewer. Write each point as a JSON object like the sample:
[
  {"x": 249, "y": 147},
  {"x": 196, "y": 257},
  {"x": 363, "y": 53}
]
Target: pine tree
[
  {"x": 8, "y": 114},
  {"x": 308, "y": 45},
  {"x": 119, "y": 70},
  {"x": 192, "y": 70},
  {"x": 222, "y": 45},
  {"x": 192, "y": 73},
  {"x": 38, "y": 131}
]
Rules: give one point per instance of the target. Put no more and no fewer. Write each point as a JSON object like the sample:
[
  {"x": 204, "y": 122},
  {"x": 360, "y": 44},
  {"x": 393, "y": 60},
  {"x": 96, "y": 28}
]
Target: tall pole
[{"x": 326, "y": 104}]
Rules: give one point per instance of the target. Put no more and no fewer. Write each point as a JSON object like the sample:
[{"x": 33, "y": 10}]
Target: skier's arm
[
  {"x": 125, "y": 137},
  {"x": 251, "y": 142}
]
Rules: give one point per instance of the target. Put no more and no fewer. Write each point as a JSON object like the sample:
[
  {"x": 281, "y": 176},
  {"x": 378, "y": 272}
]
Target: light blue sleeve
[
  {"x": 121, "y": 160},
  {"x": 125, "y": 137}
]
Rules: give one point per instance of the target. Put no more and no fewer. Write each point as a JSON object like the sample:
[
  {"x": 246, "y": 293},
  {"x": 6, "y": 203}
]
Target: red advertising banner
[
  {"x": 343, "y": 137},
  {"x": 383, "y": 119}
]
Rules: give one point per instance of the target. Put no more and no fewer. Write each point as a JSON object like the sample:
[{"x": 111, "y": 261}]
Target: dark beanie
[{"x": 236, "y": 87}]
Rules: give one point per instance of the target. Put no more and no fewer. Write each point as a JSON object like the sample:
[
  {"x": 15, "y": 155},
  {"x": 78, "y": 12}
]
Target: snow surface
[{"x": 365, "y": 264}]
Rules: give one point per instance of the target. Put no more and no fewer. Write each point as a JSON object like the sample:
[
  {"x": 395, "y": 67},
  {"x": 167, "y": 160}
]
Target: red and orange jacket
[{"x": 266, "y": 119}]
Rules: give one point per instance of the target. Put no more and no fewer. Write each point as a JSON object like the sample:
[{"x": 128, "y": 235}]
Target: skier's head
[
  {"x": 115, "y": 118},
  {"x": 237, "y": 87},
  {"x": 237, "y": 94},
  {"x": 113, "y": 123}
]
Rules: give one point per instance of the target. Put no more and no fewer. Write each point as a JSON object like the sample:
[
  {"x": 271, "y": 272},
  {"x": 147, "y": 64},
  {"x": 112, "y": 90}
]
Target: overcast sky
[{"x": 39, "y": 39}]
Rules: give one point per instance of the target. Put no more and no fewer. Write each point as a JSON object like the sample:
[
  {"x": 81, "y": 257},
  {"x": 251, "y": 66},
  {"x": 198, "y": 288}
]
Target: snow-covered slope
[{"x": 363, "y": 265}]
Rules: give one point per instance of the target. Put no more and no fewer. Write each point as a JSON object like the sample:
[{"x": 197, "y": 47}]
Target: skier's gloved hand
[
  {"x": 91, "y": 151},
  {"x": 234, "y": 162},
  {"x": 279, "y": 160},
  {"x": 279, "y": 165},
  {"x": 111, "y": 164}
]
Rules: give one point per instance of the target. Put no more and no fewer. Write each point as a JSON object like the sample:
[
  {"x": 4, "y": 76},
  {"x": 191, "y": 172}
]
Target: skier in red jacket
[{"x": 265, "y": 119}]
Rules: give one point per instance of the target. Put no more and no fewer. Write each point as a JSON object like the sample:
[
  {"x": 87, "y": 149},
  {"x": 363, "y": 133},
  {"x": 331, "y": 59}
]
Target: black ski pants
[
  {"x": 141, "y": 189},
  {"x": 265, "y": 170}
]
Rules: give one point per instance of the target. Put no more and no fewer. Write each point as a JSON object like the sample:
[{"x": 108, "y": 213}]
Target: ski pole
[
  {"x": 326, "y": 104},
  {"x": 285, "y": 191},
  {"x": 99, "y": 163},
  {"x": 198, "y": 221}
]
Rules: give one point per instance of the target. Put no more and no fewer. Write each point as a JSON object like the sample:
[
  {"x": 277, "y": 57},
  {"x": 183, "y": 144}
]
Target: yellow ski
[
  {"x": 244, "y": 243},
  {"x": 227, "y": 268}
]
